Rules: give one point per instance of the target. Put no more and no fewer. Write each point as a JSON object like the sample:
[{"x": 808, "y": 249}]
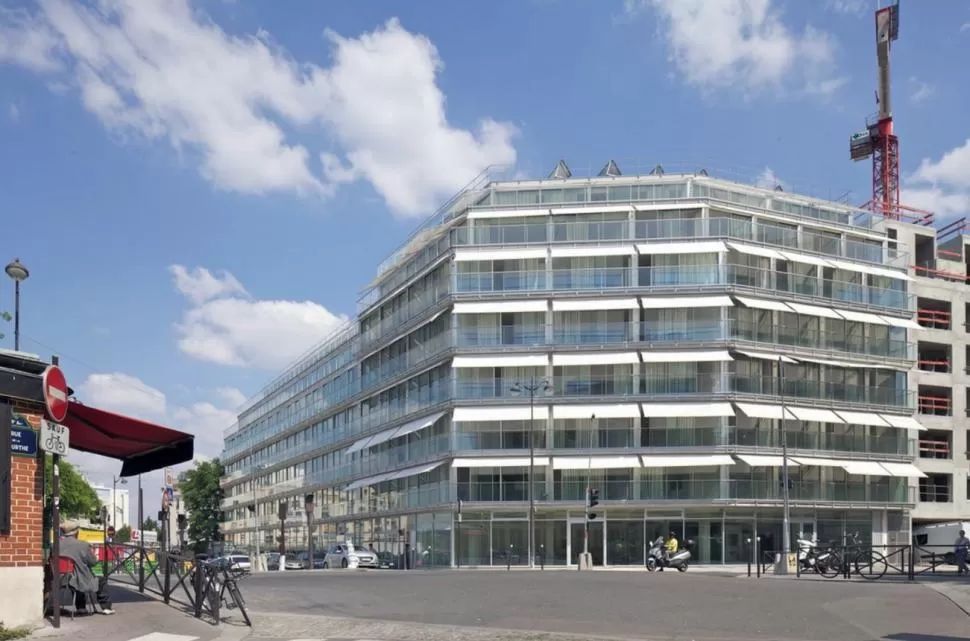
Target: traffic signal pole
[{"x": 591, "y": 499}]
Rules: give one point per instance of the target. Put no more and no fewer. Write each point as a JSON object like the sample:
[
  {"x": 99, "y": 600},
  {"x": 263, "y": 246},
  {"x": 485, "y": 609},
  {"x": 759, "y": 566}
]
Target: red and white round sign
[{"x": 55, "y": 393}]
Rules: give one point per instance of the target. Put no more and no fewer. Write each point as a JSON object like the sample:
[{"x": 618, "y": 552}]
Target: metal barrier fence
[
  {"x": 851, "y": 559},
  {"x": 196, "y": 583}
]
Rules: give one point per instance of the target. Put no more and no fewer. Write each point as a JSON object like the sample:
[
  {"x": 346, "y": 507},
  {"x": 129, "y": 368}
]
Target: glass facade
[{"x": 656, "y": 338}]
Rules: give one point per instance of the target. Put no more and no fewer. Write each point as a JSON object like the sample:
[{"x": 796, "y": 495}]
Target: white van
[{"x": 938, "y": 539}]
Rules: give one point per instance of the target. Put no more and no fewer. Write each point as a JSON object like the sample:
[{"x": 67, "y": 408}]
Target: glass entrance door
[{"x": 595, "y": 541}]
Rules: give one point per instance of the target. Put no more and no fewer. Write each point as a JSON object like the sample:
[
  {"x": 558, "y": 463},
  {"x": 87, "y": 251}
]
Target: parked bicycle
[{"x": 856, "y": 558}]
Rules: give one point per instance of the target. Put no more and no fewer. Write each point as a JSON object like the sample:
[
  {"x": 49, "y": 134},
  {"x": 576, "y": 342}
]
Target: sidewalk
[{"x": 139, "y": 617}]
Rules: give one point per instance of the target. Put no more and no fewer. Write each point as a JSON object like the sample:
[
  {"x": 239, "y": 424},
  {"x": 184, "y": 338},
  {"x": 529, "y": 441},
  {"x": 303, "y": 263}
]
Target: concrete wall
[{"x": 21, "y": 551}]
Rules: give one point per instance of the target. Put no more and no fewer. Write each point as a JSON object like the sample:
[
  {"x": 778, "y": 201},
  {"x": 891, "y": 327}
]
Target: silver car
[{"x": 345, "y": 555}]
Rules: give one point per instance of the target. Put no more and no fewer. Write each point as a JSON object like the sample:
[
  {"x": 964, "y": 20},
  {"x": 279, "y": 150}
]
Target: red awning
[{"x": 140, "y": 446}]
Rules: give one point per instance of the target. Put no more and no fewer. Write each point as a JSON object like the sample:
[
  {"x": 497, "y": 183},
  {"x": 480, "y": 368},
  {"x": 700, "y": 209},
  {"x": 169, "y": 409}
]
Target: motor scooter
[{"x": 679, "y": 560}]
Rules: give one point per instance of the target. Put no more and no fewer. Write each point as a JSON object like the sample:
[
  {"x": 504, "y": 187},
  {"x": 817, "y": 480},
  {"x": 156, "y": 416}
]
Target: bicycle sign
[{"x": 54, "y": 437}]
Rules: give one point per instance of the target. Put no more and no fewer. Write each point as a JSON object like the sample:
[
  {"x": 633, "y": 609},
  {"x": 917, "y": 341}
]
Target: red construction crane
[{"x": 878, "y": 141}]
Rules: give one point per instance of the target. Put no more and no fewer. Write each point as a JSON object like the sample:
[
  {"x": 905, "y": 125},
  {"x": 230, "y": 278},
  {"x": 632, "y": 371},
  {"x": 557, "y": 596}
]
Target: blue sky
[{"x": 201, "y": 189}]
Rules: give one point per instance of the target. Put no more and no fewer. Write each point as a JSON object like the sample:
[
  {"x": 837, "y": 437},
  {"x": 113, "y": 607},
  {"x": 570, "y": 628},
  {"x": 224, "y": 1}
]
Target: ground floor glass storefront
[{"x": 618, "y": 537}]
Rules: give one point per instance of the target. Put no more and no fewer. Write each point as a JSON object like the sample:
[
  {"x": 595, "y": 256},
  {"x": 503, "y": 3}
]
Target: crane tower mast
[{"x": 879, "y": 141}]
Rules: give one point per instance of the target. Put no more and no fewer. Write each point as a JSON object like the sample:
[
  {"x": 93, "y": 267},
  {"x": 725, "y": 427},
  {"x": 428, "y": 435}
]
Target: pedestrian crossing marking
[{"x": 164, "y": 636}]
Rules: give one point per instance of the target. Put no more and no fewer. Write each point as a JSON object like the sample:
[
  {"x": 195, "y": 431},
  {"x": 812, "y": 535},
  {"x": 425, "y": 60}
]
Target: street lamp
[
  {"x": 533, "y": 386},
  {"x": 18, "y": 272},
  {"x": 114, "y": 492},
  {"x": 782, "y": 568}
]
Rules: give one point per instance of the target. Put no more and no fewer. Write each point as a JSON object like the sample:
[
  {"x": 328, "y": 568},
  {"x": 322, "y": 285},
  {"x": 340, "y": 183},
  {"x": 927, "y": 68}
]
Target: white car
[
  {"x": 345, "y": 555},
  {"x": 235, "y": 562}
]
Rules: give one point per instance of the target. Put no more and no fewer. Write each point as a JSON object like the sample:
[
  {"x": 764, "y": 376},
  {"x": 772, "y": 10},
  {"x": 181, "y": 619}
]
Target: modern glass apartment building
[{"x": 656, "y": 337}]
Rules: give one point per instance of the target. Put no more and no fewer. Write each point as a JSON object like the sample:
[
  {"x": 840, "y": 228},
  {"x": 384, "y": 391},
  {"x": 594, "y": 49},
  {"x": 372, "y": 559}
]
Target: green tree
[
  {"x": 122, "y": 535},
  {"x": 5, "y": 316},
  {"x": 78, "y": 498},
  {"x": 149, "y": 524},
  {"x": 202, "y": 496}
]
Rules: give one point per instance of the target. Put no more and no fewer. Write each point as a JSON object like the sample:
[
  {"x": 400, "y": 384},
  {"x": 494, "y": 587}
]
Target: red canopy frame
[{"x": 140, "y": 446}]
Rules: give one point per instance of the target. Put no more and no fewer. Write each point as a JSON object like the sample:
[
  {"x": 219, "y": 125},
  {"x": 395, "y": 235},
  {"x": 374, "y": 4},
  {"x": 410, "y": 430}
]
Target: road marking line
[{"x": 163, "y": 636}]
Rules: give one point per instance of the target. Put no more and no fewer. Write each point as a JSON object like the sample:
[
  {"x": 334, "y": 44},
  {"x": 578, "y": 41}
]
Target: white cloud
[
  {"x": 745, "y": 45},
  {"x": 921, "y": 90},
  {"x": 162, "y": 70},
  {"x": 129, "y": 395},
  {"x": 965, "y": 27},
  {"x": 942, "y": 186},
  {"x": 853, "y": 7},
  {"x": 767, "y": 179},
  {"x": 247, "y": 333},
  {"x": 201, "y": 285},
  {"x": 13, "y": 112}
]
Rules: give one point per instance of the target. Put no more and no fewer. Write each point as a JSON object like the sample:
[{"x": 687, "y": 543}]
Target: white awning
[
  {"x": 595, "y": 462},
  {"x": 596, "y": 358},
  {"x": 865, "y": 468},
  {"x": 830, "y": 363},
  {"x": 624, "y": 410},
  {"x": 692, "y": 410},
  {"x": 593, "y": 250},
  {"x": 418, "y": 425},
  {"x": 510, "y": 360},
  {"x": 862, "y": 418},
  {"x": 753, "y": 250},
  {"x": 756, "y": 303},
  {"x": 904, "y": 470},
  {"x": 762, "y": 460},
  {"x": 764, "y": 356},
  {"x": 908, "y": 323},
  {"x": 872, "y": 270},
  {"x": 701, "y": 247},
  {"x": 685, "y": 302},
  {"x": 686, "y": 357},
  {"x": 814, "y": 310},
  {"x": 498, "y": 307},
  {"x": 506, "y": 213},
  {"x": 861, "y": 317},
  {"x": 904, "y": 422},
  {"x": 364, "y": 482},
  {"x": 413, "y": 471},
  {"x": 594, "y": 305},
  {"x": 805, "y": 259},
  {"x": 361, "y": 444},
  {"x": 813, "y": 414},
  {"x": 494, "y": 414},
  {"x": 762, "y": 411},
  {"x": 507, "y": 461},
  {"x": 821, "y": 462},
  {"x": 687, "y": 461},
  {"x": 466, "y": 255}
]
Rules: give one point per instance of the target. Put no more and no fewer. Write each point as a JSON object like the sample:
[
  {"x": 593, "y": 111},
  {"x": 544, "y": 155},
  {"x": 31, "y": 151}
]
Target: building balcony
[{"x": 682, "y": 279}]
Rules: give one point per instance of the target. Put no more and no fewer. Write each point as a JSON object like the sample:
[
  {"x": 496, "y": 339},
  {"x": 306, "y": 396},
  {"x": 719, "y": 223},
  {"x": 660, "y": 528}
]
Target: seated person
[
  {"x": 84, "y": 560},
  {"x": 671, "y": 547}
]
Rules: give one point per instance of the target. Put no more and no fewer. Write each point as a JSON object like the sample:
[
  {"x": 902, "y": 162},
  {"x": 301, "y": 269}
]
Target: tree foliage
[
  {"x": 122, "y": 535},
  {"x": 149, "y": 524},
  {"x": 78, "y": 498},
  {"x": 202, "y": 496}
]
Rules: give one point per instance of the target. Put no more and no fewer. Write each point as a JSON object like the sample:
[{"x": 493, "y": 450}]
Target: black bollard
[
  {"x": 199, "y": 584},
  {"x": 757, "y": 554},
  {"x": 508, "y": 559},
  {"x": 542, "y": 556}
]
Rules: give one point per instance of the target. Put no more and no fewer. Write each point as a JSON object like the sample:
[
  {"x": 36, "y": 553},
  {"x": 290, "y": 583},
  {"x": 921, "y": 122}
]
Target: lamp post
[
  {"x": 114, "y": 503},
  {"x": 782, "y": 568},
  {"x": 534, "y": 385},
  {"x": 18, "y": 272}
]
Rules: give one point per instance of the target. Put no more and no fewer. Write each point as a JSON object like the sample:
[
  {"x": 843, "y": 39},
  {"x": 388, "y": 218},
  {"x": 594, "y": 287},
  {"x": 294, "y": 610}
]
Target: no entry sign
[{"x": 55, "y": 393}]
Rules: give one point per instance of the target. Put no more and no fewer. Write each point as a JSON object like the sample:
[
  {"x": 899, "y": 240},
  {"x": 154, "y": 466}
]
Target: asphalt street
[{"x": 625, "y": 605}]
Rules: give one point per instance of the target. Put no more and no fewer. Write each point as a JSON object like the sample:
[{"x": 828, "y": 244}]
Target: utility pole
[
  {"x": 782, "y": 566},
  {"x": 532, "y": 387},
  {"x": 591, "y": 496}
]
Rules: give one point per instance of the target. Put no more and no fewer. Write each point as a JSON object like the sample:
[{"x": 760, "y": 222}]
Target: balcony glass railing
[
  {"x": 669, "y": 229},
  {"x": 661, "y": 278},
  {"x": 673, "y": 385}
]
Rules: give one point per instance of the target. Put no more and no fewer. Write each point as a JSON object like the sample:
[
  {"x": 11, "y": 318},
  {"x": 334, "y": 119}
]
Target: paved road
[{"x": 427, "y": 606}]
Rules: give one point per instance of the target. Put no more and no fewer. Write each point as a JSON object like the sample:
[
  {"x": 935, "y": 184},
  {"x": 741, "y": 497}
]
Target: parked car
[
  {"x": 345, "y": 555},
  {"x": 293, "y": 562},
  {"x": 317, "y": 559},
  {"x": 387, "y": 561},
  {"x": 234, "y": 562},
  {"x": 273, "y": 561}
]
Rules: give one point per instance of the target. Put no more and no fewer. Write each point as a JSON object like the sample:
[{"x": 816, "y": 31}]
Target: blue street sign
[{"x": 23, "y": 442}]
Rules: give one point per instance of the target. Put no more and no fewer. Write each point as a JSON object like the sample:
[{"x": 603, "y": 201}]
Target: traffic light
[{"x": 592, "y": 500}]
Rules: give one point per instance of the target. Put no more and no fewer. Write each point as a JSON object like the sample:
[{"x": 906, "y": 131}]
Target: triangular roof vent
[
  {"x": 657, "y": 171},
  {"x": 610, "y": 170},
  {"x": 702, "y": 172},
  {"x": 561, "y": 171}
]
